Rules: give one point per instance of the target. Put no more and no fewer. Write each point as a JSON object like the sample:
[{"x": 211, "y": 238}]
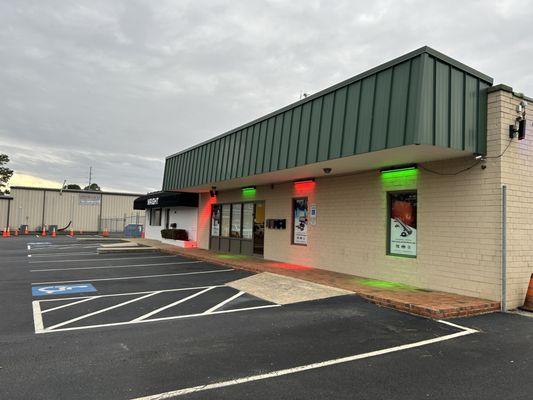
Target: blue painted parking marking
[{"x": 62, "y": 289}]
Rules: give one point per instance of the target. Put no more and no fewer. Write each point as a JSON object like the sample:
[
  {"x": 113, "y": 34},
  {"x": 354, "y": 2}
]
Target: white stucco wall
[{"x": 184, "y": 218}]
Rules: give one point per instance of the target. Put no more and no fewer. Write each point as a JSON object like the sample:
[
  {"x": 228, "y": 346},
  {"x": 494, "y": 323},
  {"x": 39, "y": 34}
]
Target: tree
[
  {"x": 73, "y": 186},
  {"x": 5, "y": 174},
  {"x": 94, "y": 187}
]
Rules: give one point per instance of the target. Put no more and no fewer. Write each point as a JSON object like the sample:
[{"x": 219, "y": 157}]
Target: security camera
[{"x": 327, "y": 170}]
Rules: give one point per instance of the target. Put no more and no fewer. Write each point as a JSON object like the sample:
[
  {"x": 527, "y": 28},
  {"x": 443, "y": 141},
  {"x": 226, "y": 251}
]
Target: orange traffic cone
[
  {"x": 4, "y": 232},
  {"x": 17, "y": 232},
  {"x": 26, "y": 230},
  {"x": 142, "y": 235},
  {"x": 43, "y": 232},
  {"x": 54, "y": 232},
  {"x": 105, "y": 233},
  {"x": 8, "y": 231},
  {"x": 528, "y": 303},
  {"x": 71, "y": 232}
]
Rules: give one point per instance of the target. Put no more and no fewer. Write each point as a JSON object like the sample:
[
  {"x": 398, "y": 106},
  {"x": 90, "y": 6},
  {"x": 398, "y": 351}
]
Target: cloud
[{"x": 119, "y": 85}]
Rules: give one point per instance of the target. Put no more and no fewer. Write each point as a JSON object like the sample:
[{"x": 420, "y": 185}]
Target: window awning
[{"x": 166, "y": 199}]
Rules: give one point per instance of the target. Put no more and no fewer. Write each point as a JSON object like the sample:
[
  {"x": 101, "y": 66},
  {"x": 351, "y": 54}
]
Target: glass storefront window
[
  {"x": 247, "y": 220},
  {"x": 215, "y": 220},
  {"x": 402, "y": 235},
  {"x": 155, "y": 217},
  {"x": 226, "y": 212},
  {"x": 236, "y": 212}
]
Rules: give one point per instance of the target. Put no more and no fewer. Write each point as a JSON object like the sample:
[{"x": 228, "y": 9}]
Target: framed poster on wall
[
  {"x": 402, "y": 235},
  {"x": 299, "y": 222}
]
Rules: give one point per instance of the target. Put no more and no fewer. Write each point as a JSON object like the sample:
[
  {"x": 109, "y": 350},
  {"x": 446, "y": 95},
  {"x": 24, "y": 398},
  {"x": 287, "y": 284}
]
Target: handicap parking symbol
[{"x": 62, "y": 289}]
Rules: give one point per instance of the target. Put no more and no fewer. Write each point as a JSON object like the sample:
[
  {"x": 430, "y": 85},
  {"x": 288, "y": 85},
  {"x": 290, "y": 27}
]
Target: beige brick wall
[
  {"x": 517, "y": 175},
  {"x": 459, "y": 220}
]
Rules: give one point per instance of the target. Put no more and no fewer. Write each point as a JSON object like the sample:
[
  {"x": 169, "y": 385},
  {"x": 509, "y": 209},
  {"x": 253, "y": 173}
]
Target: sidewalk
[{"x": 433, "y": 304}]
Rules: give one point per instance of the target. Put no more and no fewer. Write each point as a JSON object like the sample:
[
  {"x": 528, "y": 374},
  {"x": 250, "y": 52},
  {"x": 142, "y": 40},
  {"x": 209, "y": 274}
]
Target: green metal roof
[{"x": 423, "y": 97}]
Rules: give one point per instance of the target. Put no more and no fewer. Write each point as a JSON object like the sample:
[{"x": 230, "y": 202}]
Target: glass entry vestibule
[{"x": 238, "y": 228}]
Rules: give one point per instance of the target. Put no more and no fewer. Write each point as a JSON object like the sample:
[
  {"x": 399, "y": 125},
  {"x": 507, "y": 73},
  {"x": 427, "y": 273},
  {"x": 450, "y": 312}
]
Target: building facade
[
  {"x": 77, "y": 209},
  {"x": 407, "y": 172}
]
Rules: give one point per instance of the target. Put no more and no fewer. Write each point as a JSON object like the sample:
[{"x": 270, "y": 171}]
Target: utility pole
[{"x": 90, "y": 175}]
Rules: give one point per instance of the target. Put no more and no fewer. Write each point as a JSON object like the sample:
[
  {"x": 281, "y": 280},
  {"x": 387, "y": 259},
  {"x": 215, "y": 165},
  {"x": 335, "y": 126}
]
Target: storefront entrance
[{"x": 238, "y": 228}]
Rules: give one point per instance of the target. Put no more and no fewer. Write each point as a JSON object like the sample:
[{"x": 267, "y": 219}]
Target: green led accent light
[
  {"x": 402, "y": 172},
  {"x": 249, "y": 191}
]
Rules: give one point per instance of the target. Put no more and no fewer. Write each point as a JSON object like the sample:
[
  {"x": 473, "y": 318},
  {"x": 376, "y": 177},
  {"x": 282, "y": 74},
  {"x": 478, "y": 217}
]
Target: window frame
[
  {"x": 389, "y": 195},
  {"x": 293, "y": 226},
  {"x": 230, "y": 204}
]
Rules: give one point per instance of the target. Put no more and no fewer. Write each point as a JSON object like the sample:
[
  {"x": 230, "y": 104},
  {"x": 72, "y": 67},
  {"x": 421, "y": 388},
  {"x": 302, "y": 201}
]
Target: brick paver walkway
[{"x": 433, "y": 304}]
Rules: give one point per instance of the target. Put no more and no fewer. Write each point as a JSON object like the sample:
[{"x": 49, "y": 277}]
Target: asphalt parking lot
[{"x": 79, "y": 325}]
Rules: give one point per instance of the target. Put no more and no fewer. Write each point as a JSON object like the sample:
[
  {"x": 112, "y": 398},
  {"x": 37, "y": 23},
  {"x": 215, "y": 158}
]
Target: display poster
[
  {"x": 402, "y": 223},
  {"x": 215, "y": 220},
  {"x": 300, "y": 221}
]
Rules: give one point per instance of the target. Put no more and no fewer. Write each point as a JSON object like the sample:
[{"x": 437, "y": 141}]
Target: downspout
[
  {"x": 504, "y": 249},
  {"x": 100, "y": 216}
]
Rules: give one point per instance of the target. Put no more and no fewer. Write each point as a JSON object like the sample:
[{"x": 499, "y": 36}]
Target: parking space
[{"x": 152, "y": 326}]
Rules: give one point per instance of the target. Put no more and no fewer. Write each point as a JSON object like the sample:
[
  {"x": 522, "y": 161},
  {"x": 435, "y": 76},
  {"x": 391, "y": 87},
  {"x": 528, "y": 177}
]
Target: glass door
[{"x": 259, "y": 228}]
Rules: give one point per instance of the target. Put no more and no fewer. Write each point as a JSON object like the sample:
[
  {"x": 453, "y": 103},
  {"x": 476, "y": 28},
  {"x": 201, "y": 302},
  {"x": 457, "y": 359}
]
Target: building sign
[
  {"x": 89, "y": 199},
  {"x": 154, "y": 201},
  {"x": 299, "y": 224},
  {"x": 312, "y": 214},
  {"x": 402, "y": 215}
]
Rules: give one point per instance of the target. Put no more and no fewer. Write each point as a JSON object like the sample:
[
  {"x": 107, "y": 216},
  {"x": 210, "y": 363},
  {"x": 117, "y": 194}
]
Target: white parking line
[
  {"x": 274, "y": 374},
  {"x": 222, "y": 303},
  {"x": 79, "y": 253},
  {"x": 76, "y": 328},
  {"x": 70, "y": 304},
  {"x": 114, "y": 266},
  {"x": 37, "y": 317},
  {"x": 128, "y": 293},
  {"x": 100, "y": 259},
  {"x": 135, "y": 277},
  {"x": 158, "y": 310},
  {"x": 101, "y": 311}
]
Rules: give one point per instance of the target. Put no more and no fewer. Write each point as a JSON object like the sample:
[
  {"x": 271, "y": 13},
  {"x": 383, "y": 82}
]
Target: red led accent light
[{"x": 307, "y": 184}]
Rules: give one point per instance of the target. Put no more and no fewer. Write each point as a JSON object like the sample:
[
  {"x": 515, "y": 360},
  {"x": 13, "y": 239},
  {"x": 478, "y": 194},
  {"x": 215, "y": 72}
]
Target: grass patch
[{"x": 386, "y": 284}]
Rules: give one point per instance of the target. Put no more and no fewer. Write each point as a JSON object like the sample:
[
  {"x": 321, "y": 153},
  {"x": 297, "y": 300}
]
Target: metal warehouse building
[
  {"x": 417, "y": 171},
  {"x": 80, "y": 210}
]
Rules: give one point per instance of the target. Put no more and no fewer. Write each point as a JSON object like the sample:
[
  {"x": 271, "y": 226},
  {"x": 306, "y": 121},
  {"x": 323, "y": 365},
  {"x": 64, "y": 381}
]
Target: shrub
[{"x": 175, "y": 234}]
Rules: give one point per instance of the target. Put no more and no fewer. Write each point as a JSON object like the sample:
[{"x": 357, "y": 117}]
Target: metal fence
[{"x": 117, "y": 224}]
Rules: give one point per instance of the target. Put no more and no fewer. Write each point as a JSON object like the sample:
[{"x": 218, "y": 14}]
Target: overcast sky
[{"x": 119, "y": 85}]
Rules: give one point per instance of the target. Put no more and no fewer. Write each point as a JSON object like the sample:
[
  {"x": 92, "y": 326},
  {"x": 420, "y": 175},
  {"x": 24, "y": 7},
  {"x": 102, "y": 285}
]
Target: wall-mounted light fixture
[
  {"x": 248, "y": 190},
  {"x": 308, "y": 183},
  {"x": 213, "y": 192},
  {"x": 401, "y": 170}
]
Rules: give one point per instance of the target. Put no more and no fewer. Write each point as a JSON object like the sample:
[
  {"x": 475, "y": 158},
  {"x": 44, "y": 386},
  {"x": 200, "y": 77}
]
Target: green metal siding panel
[
  {"x": 268, "y": 144},
  {"x": 425, "y": 128},
  {"x": 350, "y": 123},
  {"x": 255, "y": 149},
  {"x": 285, "y": 138},
  {"x": 337, "y": 126},
  {"x": 398, "y": 105},
  {"x": 261, "y": 149},
  {"x": 470, "y": 113},
  {"x": 424, "y": 97},
  {"x": 247, "y": 152},
  {"x": 482, "y": 118},
  {"x": 276, "y": 146},
  {"x": 442, "y": 104},
  {"x": 457, "y": 109},
  {"x": 366, "y": 109},
  {"x": 295, "y": 133},
  {"x": 325, "y": 127},
  {"x": 314, "y": 132},
  {"x": 381, "y": 110},
  {"x": 303, "y": 134},
  {"x": 413, "y": 100}
]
